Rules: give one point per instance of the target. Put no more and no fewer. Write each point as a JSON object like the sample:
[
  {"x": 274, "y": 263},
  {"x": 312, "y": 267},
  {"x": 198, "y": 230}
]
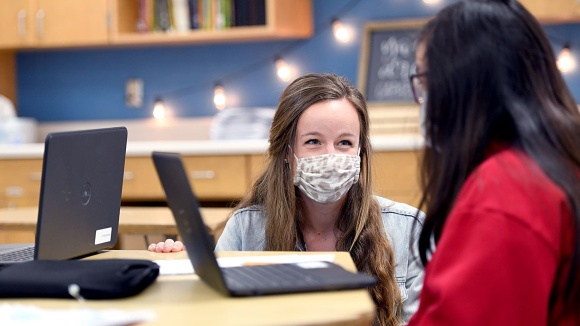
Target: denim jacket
[{"x": 245, "y": 231}]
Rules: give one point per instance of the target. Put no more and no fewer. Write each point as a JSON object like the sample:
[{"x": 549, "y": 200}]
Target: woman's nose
[{"x": 330, "y": 149}]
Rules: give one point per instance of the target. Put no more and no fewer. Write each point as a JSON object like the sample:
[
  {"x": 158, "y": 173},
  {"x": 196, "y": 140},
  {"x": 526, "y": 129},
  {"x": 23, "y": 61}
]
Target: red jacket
[{"x": 502, "y": 245}]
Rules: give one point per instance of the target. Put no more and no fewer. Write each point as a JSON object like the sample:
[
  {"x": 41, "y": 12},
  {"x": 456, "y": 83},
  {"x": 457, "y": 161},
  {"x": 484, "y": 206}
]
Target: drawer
[
  {"x": 221, "y": 177},
  {"x": 140, "y": 181},
  {"x": 20, "y": 182}
]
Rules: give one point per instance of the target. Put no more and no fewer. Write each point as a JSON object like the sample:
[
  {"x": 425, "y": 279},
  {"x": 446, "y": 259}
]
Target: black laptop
[
  {"x": 80, "y": 196},
  {"x": 243, "y": 280}
]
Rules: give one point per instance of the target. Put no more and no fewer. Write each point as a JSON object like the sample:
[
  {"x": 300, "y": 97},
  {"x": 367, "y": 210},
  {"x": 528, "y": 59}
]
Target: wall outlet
[{"x": 134, "y": 93}]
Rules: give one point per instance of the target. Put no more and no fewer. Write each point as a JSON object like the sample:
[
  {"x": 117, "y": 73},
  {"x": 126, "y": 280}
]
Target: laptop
[
  {"x": 241, "y": 281},
  {"x": 80, "y": 196}
]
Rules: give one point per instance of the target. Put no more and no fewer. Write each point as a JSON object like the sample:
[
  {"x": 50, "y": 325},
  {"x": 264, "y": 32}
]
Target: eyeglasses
[{"x": 418, "y": 87}]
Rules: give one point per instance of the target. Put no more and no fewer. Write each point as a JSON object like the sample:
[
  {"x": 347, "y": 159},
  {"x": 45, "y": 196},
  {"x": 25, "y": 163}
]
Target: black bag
[{"x": 89, "y": 279}]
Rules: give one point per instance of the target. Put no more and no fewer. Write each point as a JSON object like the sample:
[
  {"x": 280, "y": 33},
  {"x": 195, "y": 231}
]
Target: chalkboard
[{"x": 387, "y": 60}]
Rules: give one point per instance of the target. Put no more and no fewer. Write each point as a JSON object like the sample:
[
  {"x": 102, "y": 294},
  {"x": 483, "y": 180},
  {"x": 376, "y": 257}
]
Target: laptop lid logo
[{"x": 86, "y": 194}]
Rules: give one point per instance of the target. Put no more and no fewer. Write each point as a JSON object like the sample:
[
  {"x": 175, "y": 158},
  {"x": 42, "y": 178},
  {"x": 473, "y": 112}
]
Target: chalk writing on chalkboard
[{"x": 387, "y": 61}]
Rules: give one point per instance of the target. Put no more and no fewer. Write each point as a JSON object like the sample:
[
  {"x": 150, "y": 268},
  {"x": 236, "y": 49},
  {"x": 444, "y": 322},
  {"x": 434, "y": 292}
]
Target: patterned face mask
[{"x": 326, "y": 178}]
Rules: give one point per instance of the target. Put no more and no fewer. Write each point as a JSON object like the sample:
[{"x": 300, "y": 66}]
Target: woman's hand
[{"x": 168, "y": 246}]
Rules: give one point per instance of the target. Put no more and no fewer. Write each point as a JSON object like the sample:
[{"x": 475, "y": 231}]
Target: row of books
[{"x": 186, "y": 15}]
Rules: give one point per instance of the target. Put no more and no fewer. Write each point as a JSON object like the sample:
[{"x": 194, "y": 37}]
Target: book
[
  {"x": 249, "y": 12},
  {"x": 193, "y": 14},
  {"x": 180, "y": 10},
  {"x": 145, "y": 16},
  {"x": 162, "y": 16}
]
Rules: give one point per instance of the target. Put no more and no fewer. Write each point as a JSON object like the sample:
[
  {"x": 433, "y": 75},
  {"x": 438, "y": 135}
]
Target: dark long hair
[{"x": 492, "y": 78}]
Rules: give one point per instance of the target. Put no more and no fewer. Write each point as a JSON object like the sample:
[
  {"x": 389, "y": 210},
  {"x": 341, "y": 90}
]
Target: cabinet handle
[
  {"x": 22, "y": 24},
  {"x": 109, "y": 22},
  {"x": 40, "y": 24},
  {"x": 35, "y": 176},
  {"x": 14, "y": 191},
  {"x": 128, "y": 175},
  {"x": 202, "y": 174}
]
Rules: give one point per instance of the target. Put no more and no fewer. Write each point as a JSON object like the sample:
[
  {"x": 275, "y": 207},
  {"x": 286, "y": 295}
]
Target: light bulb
[
  {"x": 219, "y": 97},
  {"x": 342, "y": 33},
  {"x": 431, "y": 2},
  {"x": 159, "y": 109},
  {"x": 283, "y": 70},
  {"x": 566, "y": 61}
]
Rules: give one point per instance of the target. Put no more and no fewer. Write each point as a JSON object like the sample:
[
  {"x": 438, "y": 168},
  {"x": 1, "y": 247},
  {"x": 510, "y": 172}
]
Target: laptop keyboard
[
  {"x": 272, "y": 276},
  {"x": 23, "y": 254}
]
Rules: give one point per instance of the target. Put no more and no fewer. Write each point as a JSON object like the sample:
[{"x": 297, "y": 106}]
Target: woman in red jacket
[{"x": 500, "y": 173}]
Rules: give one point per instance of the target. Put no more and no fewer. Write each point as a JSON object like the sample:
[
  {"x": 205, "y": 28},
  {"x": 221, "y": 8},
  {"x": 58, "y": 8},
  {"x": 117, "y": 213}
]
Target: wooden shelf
[
  {"x": 234, "y": 34},
  {"x": 284, "y": 19}
]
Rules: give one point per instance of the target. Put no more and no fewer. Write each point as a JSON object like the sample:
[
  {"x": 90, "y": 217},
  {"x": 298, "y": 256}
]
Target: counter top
[{"x": 403, "y": 142}]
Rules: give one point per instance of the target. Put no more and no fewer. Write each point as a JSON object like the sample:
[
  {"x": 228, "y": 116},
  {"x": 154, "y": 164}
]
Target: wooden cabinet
[
  {"x": 396, "y": 176},
  {"x": 140, "y": 182},
  {"x": 554, "y": 11},
  {"x": 218, "y": 177},
  {"x": 53, "y": 23},
  {"x": 15, "y": 23},
  {"x": 20, "y": 182},
  {"x": 213, "y": 178}
]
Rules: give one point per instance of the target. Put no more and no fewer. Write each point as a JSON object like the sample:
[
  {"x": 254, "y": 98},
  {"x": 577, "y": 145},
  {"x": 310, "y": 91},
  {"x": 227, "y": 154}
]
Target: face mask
[{"x": 326, "y": 178}]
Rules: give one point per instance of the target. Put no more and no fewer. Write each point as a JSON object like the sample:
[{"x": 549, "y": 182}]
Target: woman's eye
[
  {"x": 312, "y": 142},
  {"x": 345, "y": 143}
]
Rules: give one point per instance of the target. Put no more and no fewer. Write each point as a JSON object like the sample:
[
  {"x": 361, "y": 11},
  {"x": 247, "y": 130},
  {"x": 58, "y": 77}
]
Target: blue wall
[{"x": 89, "y": 84}]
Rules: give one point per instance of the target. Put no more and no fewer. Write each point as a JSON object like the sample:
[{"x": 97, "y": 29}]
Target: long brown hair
[
  {"x": 361, "y": 225},
  {"x": 490, "y": 86}
]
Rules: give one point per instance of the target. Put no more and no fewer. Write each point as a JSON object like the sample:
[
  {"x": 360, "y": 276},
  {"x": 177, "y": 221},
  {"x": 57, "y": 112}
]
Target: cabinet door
[
  {"x": 16, "y": 23},
  {"x": 213, "y": 178},
  {"x": 217, "y": 177},
  {"x": 140, "y": 180},
  {"x": 396, "y": 176},
  {"x": 71, "y": 22}
]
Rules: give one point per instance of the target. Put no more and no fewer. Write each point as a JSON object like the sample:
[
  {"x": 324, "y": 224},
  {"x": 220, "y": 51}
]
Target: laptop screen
[{"x": 80, "y": 195}]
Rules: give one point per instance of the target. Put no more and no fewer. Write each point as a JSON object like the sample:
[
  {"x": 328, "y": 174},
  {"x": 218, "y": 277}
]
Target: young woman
[
  {"x": 501, "y": 173},
  {"x": 315, "y": 194}
]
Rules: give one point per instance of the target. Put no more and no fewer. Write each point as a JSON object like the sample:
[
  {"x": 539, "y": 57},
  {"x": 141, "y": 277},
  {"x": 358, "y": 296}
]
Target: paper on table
[
  {"x": 183, "y": 266},
  {"x": 29, "y": 315}
]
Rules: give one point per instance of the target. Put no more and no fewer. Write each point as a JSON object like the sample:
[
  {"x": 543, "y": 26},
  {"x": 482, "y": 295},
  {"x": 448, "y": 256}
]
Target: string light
[
  {"x": 219, "y": 97},
  {"x": 566, "y": 62},
  {"x": 282, "y": 69},
  {"x": 159, "y": 109},
  {"x": 342, "y": 33}
]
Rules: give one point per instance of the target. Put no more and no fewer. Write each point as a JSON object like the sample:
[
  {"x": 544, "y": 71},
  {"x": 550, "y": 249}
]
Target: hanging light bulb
[
  {"x": 342, "y": 33},
  {"x": 159, "y": 109},
  {"x": 219, "y": 97},
  {"x": 282, "y": 69},
  {"x": 566, "y": 61}
]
